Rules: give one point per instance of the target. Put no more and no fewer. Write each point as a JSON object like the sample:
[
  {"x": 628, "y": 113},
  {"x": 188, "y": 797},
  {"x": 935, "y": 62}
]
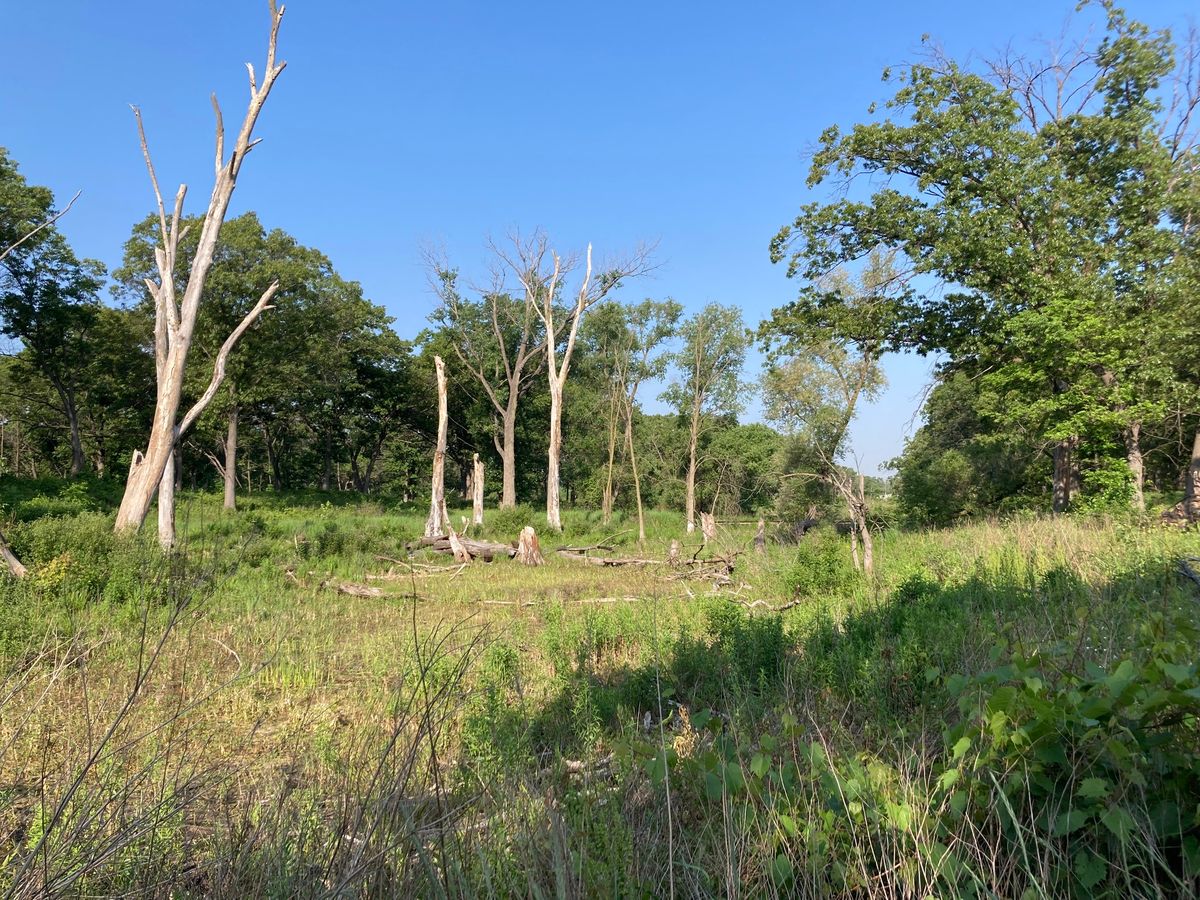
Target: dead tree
[
  {"x": 495, "y": 328},
  {"x": 438, "y": 522},
  {"x": 760, "y": 537},
  {"x": 10, "y": 559},
  {"x": 541, "y": 282},
  {"x": 477, "y": 491},
  {"x": 708, "y": 526},
  {"x": 1187, "y": 510},
  {"x": 529, "y": 551},
  {"x": 175, "y": 320}
]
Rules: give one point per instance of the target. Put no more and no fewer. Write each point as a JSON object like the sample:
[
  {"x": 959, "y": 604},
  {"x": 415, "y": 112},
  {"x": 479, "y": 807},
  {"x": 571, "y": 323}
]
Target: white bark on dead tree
[
  {"x": 529, "y": 551},
  {"x": 10, "y": 559},
  {"x": 438, "y": 522},
  {"x": 708, "y": 526},
  {"x": 543, "y": 288},
  {"x": 174, "y": 321},
  {"x": 477, "y": 491}
]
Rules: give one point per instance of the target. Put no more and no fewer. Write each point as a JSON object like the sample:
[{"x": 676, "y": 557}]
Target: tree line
[{"x": 1031, "y": 224}]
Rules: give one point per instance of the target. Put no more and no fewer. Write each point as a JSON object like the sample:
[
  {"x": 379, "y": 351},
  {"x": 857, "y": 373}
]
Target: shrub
[
  {"x": 506, "y": 524},
  {"x": 822, "y": 565}
]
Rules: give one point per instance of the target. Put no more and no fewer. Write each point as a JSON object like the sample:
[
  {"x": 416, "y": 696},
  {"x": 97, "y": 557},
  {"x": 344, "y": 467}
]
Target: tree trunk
[
  {"x": 477, "y": 490},
  {"x": 1137, "y": 467},
  {"x": 1064, "y": 474},
  {"x": 693, "y": 440},
  {"x": 174, "y": 320},
  {"x": 553, "y": 511},
  {"x": 231, "y": 439},
  {"x": 1191, "y": 491},
  {"x": 760, "y": 537},
  {"x": 606, "y": 502},
  {"x": 864, "y": 527},
  {"x": 637, "y": 480},
  {"x": 14, "y": 564},
  {"x": 273, "y": 460},
  {"x": 78, "y": 460},
  {"x": 708, "y": 526},
  {"x": 508, "y": 455},
  {"x": 166, "y": 502},
  {"x": 438, "y": 522},
  {"x": 528, "y": 550},
  {"x": 327, "y": 460}
]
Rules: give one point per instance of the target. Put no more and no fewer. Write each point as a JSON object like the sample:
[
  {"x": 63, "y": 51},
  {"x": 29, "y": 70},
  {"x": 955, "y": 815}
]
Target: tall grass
[{"x": 223, "y": 722}]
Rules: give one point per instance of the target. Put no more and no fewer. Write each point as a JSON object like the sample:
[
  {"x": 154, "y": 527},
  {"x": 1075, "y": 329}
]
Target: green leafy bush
[{"x": 822, "y": 565}]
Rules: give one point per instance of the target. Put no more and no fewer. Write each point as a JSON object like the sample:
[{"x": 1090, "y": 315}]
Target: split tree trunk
[
  {"x": 438, "y": 522},
  {"x": 231, "y": 439},
  {"x": 477, "y": 491},
  {"x": 174, "y": 321}
]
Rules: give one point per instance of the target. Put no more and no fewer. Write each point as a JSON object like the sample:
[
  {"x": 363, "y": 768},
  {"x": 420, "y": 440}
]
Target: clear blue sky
[{"x": 402, "y": 123}]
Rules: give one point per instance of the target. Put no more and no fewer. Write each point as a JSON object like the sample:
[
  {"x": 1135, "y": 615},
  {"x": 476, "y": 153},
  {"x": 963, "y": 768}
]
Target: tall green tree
[
  {"x": 1029, "y": 202},
  {"x": 708, "y": 381}
]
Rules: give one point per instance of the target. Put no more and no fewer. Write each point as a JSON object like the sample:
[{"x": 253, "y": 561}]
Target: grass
[{"x": 224, "y": 722}]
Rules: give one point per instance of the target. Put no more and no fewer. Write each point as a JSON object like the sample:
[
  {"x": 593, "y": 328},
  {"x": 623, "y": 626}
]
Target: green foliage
[{"x": 822, "y": 565}]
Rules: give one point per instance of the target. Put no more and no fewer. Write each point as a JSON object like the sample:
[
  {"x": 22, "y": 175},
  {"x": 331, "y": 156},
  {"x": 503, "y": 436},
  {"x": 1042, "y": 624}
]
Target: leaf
[
  {"x": 961, "y": 747},
  {"x": 788, "y": 824},
  {"x": 1121, "y": 678},
  {"x": 760, "y": 764},
  {"x": 781, "y": 870},
  {"x": 1090, "y": 869},
  {"x": 1072, "y": 820},
  {"x": 1093, "y": 788},
  {"x": 949, "y": 778},
  {"x": 734, "y": 779},
  {"x": 1118, "y": 820}
]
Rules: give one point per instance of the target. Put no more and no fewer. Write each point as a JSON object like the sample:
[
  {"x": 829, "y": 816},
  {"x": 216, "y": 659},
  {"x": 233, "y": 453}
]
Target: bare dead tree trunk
[
  {"x": 541, "y": 289},
  {"x": 1137, "y": 466},
  {"x": 673, "y": 555},
  {"x": 174, "y": 322},
  {"x": 477, "y": 491},
  {"x": 529, "y": 551},
  {"x": 438, "y": 522},
  {"x": 708, "y": 526},
  {"x": 10, "y": 559},
  {"x": 231, "y": 439},
  {"x": 854, "y": 545},
  {"x": 606, "y": 502},
  {"x": 760, "y": 537},
  {"x": 166, "y": 501}
]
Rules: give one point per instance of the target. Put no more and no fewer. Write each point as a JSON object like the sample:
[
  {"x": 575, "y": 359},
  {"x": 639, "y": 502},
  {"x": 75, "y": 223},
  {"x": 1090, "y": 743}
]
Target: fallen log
[
  {"x": 570, "y": 553},
  {"x": 485, "y": 550}
]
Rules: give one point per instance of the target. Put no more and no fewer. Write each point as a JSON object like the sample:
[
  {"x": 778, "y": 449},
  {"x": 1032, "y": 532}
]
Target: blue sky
[{"x": 401, "y": 124}]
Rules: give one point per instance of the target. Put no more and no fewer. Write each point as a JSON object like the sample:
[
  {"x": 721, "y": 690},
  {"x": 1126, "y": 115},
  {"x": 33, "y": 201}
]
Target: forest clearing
[{"x": 544, "y": 579}]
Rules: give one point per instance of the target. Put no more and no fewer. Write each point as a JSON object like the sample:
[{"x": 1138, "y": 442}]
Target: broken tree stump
[
  {"x": 461, "y": 554},
  {"x": 708, "y": 526},
  {"x": 760, "y": 537},
  {"x": 10, "y": 559},
  {"x": 673, "y": 554},
  {"x": 528, "y": 550},
  {"x": 477, "y": 491}
]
